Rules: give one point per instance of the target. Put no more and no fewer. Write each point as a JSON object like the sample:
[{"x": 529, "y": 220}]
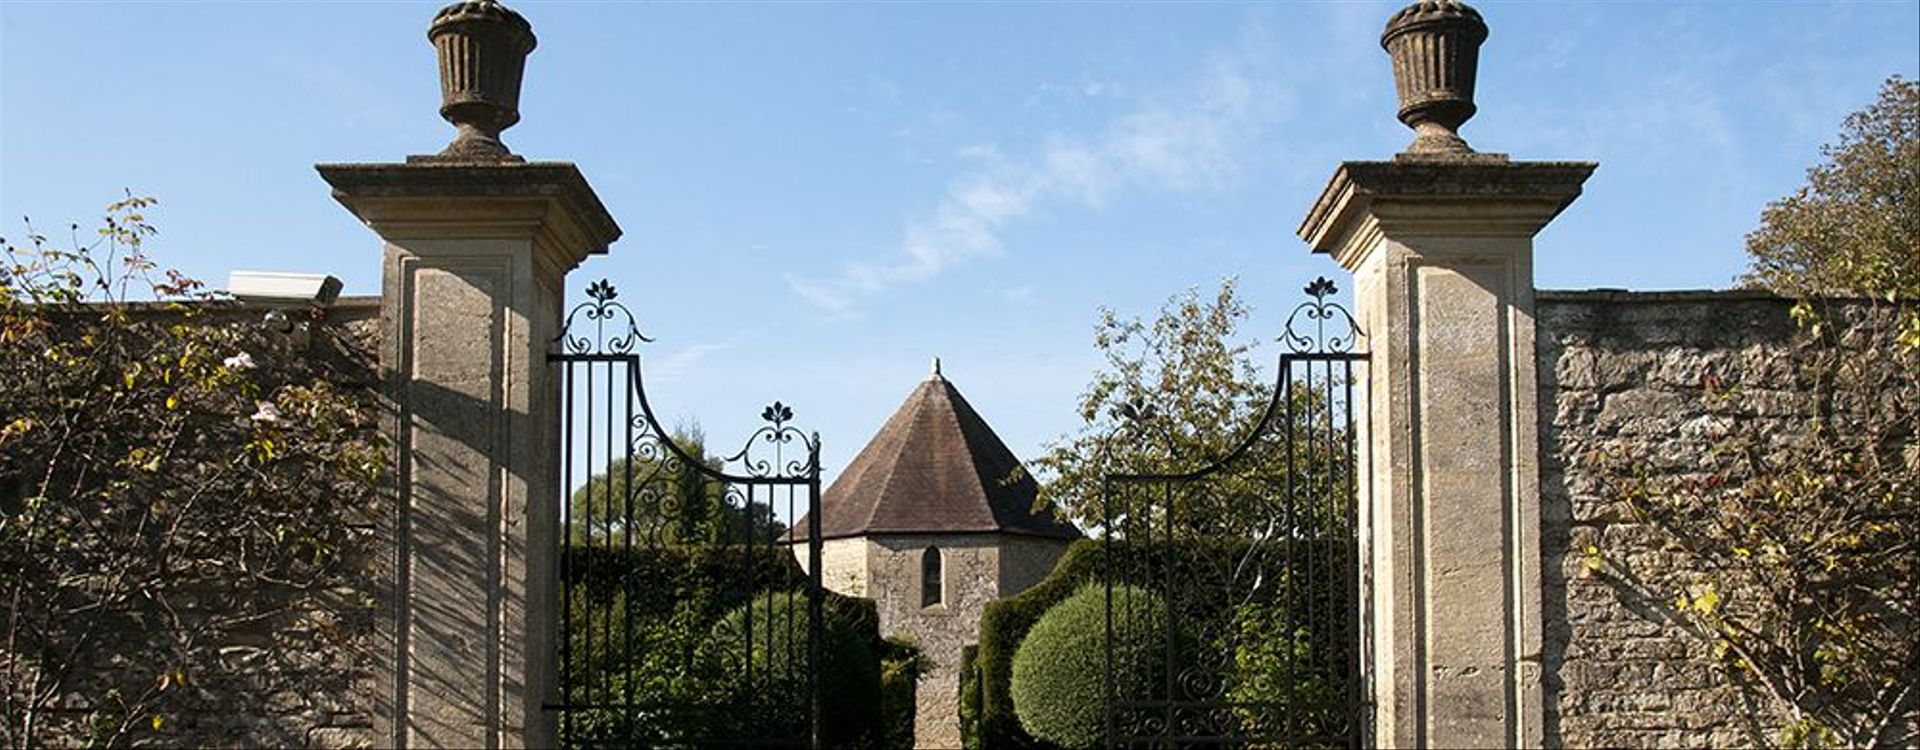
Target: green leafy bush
[
  {"x": 900, "y": 668},
  {"x": 1003, "y": 625},
  {"x": 970, "y": 697},
  {"x": 988, "y": 719},
  {"x": 763, "y": 647},
  {"x": 1283, "y": 676},
  {"x": 1060, "y": 671},
  {"x": 641, "y": 624},
  {"x": 178, "y": 483}
]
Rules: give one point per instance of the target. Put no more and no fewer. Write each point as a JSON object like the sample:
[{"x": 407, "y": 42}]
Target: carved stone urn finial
[
  {"x": 1435, "y": 46},
  {"x": 483, "y": 48}
]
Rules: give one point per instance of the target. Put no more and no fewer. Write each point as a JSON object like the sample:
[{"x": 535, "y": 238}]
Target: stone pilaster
[
  {"x": 475, "y": 260},
  {"x": 1441, "y": 249}
]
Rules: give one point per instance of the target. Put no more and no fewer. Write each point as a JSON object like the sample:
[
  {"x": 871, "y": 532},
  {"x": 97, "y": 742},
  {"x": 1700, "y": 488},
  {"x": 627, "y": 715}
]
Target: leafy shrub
[
  {"x": 1059, "y": 673},
  {"x": 178, "y": 484},
  {"x": 970, "y": 698},
  {"x": 1283, "y": 677},
  {"x": 900, "y": 667},
  {"x": 988, "y": 719},
  {"x": 635, "y": 617},
  {"x": 640, "y": 624},
  {"x": 772, "y": 667},
  {"x": 1004, "y": 624}
]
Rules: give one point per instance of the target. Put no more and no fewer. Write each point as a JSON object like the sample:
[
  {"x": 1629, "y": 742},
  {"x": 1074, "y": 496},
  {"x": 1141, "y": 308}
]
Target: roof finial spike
[{"x": 936, "y": 369}]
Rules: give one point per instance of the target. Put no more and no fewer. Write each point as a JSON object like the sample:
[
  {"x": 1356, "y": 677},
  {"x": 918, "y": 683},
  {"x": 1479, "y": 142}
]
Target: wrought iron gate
[
  {"x": 684, "y": 622},
  {"x": 1233, "y": 588}
]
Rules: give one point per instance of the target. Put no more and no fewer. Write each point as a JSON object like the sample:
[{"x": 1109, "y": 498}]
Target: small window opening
[{"x": 931, "y": 592}]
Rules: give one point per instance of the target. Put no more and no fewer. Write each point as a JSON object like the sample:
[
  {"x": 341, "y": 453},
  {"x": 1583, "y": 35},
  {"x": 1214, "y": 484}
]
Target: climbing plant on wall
[
  {"x": 1790, "y": 555},
  {"x": 183, "y": 498},
  {"x": 1798, "y": 540}
]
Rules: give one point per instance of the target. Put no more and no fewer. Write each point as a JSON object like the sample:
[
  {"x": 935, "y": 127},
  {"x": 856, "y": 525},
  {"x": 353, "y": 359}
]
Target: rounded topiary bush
[
  {"x": 761, "y": 646},
  {"x": 1059, "y": 671}
]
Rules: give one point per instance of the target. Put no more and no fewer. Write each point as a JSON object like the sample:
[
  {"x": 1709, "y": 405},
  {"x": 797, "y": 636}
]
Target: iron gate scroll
[
  {"x": 1233, "y": 588},
  {"x": 684, "y": 621}
]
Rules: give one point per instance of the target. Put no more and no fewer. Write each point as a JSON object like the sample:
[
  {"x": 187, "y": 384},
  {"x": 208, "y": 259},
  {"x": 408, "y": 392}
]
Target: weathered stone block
[{"x": 1655, "y": 380}]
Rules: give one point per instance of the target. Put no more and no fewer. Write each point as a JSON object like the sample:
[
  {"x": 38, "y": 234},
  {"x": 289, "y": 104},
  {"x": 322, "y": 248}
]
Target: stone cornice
[
  {"x": 1366, "y": 198},
  {"x": 549, "y": 200}
]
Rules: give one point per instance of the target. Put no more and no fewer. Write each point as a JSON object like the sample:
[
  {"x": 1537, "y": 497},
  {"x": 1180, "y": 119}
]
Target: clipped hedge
[
  {"x": 1060, "y": 671},
  {"x": 641, "y": 626},
  {"x": 761, "y": 649},
  {"x": 970, "y": 697},
  {"x": 1003, "y": 624},
  {"x": 992, "y": 723},
  {"x": 900, "y": 666}
]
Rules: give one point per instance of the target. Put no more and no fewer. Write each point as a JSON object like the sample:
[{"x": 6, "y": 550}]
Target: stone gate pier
[
  {"x": 477, "y": 245},
  {"x": 1440, "y": 242}
]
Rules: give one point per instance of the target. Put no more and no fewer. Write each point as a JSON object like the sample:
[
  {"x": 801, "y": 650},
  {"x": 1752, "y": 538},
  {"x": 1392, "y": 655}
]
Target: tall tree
[
  {"x": 1179, "y": 393},
  {"x": 666, "y": 500},
  {"x": 1187, "y": 368},
  {"x": 1854, "y": 228}
]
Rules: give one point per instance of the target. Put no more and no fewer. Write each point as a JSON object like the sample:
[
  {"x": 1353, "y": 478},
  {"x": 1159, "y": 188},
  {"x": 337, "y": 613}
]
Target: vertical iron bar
[
  {"x": 1324, "y": 528},
  {"x": 746, "y": 630},
  {"x": 816, "y": 596},
  {"x": 627, "y": 574},
  {"x": 1111, "y": 569},
  {"x": 614, "y": 389},
  {"x": 586, "y": 554},
  {"x": 1351, "y": 538},
  {"x": 1167, "y": 625},
  {"x": 768, "y": 628},
  {"x": 566, "y": 559},
  {"x": 1321, "y": 436},
  {"x": 1289, "y": 566}
]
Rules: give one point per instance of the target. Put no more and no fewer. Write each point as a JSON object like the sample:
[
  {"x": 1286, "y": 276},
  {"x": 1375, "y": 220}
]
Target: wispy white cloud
[
  {"x": 674, "y": 366},
  {"x": 1197, "y": 138}
]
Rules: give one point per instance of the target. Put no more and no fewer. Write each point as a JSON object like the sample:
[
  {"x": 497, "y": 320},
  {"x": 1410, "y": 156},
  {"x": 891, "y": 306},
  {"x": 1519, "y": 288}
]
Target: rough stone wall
[
  {"x": 970, "y": 567},
  {"x": 1025, "y": 560},
  {"x": 843, "y": 565},
  {"x": 315, "y": 666},
  {"x": 976, "y": 569},
  {"x": 302, "y": 677},
  {"x": 1624, "y": 372}
]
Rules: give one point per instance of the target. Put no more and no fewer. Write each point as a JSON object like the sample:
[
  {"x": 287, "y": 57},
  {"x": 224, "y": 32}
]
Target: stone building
[
  {"x": 933, "y": 519},
  {"x": 1511, "y": 598}
]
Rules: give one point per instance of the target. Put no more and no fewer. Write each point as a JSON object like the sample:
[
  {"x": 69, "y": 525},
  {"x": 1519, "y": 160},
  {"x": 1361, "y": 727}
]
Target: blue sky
[{"x": 818, "y": 198}]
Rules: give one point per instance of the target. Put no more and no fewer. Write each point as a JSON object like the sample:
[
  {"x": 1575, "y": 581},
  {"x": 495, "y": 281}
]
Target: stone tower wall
[
  {"x": 971, "y": 570},
  {"x": 1025, "y": 560},
  {"x": 976, "y": 568},
  {"x": 843, "y": 565}
]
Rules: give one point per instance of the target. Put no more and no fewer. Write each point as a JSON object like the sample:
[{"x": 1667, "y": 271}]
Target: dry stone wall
[
  {"x": 311, "y": 680},
  {"x": 299, "y": 675},
  {"x": 1627, "y": 374}
]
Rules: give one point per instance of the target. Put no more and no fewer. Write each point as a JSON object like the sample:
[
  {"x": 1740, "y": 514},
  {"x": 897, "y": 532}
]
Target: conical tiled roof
[{"x": 936, "y": 467}]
